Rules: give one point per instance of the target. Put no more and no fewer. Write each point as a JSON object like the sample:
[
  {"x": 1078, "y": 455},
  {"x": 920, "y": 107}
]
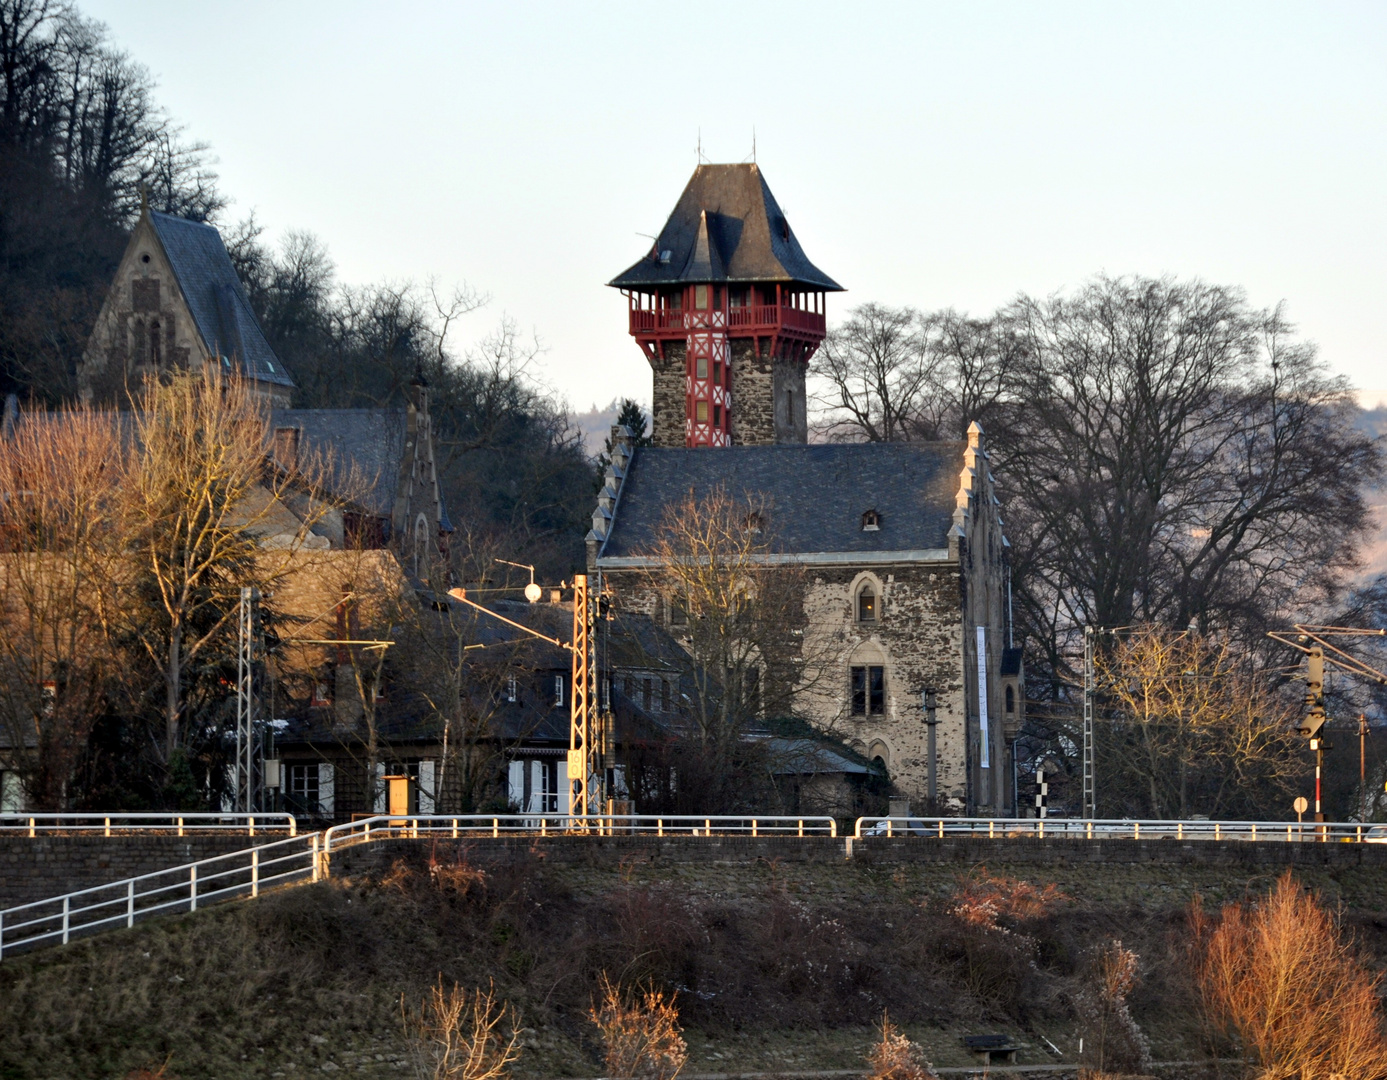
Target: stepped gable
[{"x": 728, "y": 227}]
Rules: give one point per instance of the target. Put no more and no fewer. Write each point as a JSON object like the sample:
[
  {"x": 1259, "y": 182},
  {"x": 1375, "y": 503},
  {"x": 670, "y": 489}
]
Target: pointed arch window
[{"x": 868, "y": 602}]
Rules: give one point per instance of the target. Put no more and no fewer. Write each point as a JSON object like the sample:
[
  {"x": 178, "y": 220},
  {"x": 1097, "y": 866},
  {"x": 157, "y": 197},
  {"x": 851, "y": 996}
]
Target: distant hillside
[
  {"x": 596, "y": 425},
  {"x": 1374, "y": 422}
]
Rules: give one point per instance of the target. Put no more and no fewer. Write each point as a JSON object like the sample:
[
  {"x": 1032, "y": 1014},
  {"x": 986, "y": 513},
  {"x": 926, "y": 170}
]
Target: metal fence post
[
  {"x": 314, "y": 842},
  {"x": 180, "y": 826},
  {"x": 67, "y": 901},
  {"x": 192, "y": 887},
  {"x": 252, "y": 826},
  {"x": 108, "y": 826},
  {"x": 255, "y": 871},
  {"x": 130, "y": 903}
]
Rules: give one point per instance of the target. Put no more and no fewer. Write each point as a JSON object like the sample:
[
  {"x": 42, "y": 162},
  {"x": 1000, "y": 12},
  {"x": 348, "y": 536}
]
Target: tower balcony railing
[{"x": 765, "y": 318}]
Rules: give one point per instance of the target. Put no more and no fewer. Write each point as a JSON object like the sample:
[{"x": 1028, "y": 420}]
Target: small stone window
[
  {"x": 867, "y": 603},
  {"x": 871, "y": 521},
  {"x": 1011, "y": 700},
  {"x": 678, "y": 611},
  {"x": 868, "y": 682}
]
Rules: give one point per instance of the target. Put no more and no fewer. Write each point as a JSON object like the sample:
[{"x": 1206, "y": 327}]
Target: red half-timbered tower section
[{"x": 727, "y": 295}]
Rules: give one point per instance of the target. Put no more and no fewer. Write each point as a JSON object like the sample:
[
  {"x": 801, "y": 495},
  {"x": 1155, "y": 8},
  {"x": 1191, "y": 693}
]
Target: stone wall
[
  {"x": 917, "y": 638},
  {"x": 668, "y": 402},
  {"x": 1251, "y": 859},
  {"x": 753, "y": 394},
  {"x": 47, "y": 866}
]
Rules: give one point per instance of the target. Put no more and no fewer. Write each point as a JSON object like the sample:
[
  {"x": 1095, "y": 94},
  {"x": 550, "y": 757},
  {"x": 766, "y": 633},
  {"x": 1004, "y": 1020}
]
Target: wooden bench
[{"x": 992, "y": 1048}]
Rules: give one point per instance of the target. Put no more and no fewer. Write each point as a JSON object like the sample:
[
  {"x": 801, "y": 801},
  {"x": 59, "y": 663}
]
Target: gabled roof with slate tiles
[
  {"x": 726, "y": 226},
  {"x": 213, "y": 292},
  {"x": 813, "y": 498},
  {"x": 364, "y": 449}
]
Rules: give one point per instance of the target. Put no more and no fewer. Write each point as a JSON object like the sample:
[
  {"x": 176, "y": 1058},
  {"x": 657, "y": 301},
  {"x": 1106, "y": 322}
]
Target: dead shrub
[
  {"x": 895, "y": 1057},
  {"x": 457, "y": 1035},
  {"x": 1113, "y": 1043},
  {"x": 983, "y": 900},
  {"x": 459, "y": 878},
  {"x": 1281, "y": 975},
  {"x": 640, "y": 1032},
  {"x": 984, "y": 940}
]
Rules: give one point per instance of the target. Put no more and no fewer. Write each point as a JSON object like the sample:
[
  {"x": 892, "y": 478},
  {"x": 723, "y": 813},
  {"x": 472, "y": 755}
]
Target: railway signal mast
[{"x": 1314, "y": 641}]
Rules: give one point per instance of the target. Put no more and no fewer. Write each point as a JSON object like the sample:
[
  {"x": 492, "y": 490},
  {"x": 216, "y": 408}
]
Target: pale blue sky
[{"x": 930, "y": 154}]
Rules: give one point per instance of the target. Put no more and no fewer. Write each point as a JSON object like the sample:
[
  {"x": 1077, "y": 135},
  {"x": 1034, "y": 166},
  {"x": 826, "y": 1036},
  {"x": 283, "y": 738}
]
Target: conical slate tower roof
[{"x": 726, "y": 227}]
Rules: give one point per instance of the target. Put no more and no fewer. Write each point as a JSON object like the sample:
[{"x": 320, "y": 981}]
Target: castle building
[
  {"x": 905, "y": 562},
  {"x": 728, "y": 310}
]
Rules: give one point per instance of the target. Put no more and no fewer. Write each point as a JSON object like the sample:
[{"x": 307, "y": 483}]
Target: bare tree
[
  {"x": 60, "y": 480},
  {"x": 1281, "y": 974},
  {"x": 876, "y": 375},
  {"x": 201, "y": 519},
  {"x": 737, "y": 609},
  {"x": 1192, "y": 728}
]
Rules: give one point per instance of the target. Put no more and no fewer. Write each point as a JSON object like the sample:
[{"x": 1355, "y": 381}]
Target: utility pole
[
  {"x": 1090, "y": 795},
  {"x": 1312, "y": 726},
  {"x": 931, "y": 702},
  {"x": 586, "y": 764},
  {"x": 248, "y": 636}
]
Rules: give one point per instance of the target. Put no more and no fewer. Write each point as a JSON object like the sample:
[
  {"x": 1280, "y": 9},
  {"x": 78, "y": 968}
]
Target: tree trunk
[{"x": 173, "y": 690}]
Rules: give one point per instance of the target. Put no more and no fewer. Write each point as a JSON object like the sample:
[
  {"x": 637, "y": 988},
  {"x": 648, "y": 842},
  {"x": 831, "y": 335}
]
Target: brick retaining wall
[{"x": 45, "y": 866}]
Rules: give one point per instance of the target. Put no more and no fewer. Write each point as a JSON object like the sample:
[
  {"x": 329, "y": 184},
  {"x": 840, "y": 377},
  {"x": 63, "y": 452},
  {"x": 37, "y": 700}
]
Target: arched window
[
  {"x": 154, "y": 344},
  {"x": 867, "y": 602},
  {"x": 1011, "y": 700}
]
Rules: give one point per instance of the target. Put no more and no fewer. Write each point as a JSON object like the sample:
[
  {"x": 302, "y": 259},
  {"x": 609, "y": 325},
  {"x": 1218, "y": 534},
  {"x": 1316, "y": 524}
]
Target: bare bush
[
  {"x": 1113, "y": 1042},
  {"x": 985, "y": 940},
  {"x": 1282, "y": 976},
  {"x": 897, "y": 1058},
  {"x": 457, "y": 1035},
  {"x": 641, "y": 1033}
]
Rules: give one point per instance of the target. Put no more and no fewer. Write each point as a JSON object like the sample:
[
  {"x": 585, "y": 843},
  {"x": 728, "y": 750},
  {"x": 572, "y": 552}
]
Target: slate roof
[
  {"x": 213, "y": 292},
  {"x": 365, "y": 448},
  {"x": 726, "y": 226},
  {"x": 813, "y": 497}
]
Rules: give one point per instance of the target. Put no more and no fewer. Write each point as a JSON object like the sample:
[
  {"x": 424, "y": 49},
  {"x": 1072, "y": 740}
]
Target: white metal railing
[
  {"x": 179, "y": 888},
  {"x": 109, "y": 823},
  {"x": 1123, "y": 829},
  {"x": 387, "y": 826}
]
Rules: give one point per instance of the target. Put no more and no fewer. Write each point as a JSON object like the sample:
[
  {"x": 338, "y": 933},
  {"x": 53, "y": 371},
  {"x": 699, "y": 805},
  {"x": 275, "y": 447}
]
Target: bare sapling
[
  {"x": 462, "y": 1035},
  {"x": 1114, "y": 1044},
  {"x": 640, "y": 1033},
  {"x": 1282, "y": 976},
  {"x": 894, "y": 1057}
]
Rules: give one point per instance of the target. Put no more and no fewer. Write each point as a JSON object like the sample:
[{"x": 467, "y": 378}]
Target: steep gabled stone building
[
  {"x": 176, "y": 303},
  {"x": 906, "y": 562}
]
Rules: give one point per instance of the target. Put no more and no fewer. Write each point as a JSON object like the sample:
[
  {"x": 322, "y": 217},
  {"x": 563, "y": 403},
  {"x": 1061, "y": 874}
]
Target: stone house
[
  {"x": 906, "y": 587},
  {"x": 905, "y": 560},
  {"x": 177, "y": 304}
]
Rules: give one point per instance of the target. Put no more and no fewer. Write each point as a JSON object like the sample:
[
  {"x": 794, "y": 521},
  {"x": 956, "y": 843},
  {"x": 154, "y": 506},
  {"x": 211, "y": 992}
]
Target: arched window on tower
[
  {"x": 155, "y": 345},
  {"x": 1011, "y": 700},
  {"x": 867, "y": 603}
]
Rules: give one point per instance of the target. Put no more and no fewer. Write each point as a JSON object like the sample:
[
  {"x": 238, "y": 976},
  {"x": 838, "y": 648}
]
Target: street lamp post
[{"x": 931, "y": 702}]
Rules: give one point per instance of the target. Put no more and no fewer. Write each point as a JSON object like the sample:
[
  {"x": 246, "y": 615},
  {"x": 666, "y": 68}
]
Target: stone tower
[{"x": 728, "y": 310}]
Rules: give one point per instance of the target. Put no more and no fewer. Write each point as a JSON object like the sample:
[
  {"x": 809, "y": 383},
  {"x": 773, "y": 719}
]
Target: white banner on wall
[{"x": 982, "y": 697}]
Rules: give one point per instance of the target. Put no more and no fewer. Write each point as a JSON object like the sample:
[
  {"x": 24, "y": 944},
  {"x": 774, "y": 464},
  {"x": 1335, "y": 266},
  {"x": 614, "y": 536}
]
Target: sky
[{"x": 936, "y": 155}]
